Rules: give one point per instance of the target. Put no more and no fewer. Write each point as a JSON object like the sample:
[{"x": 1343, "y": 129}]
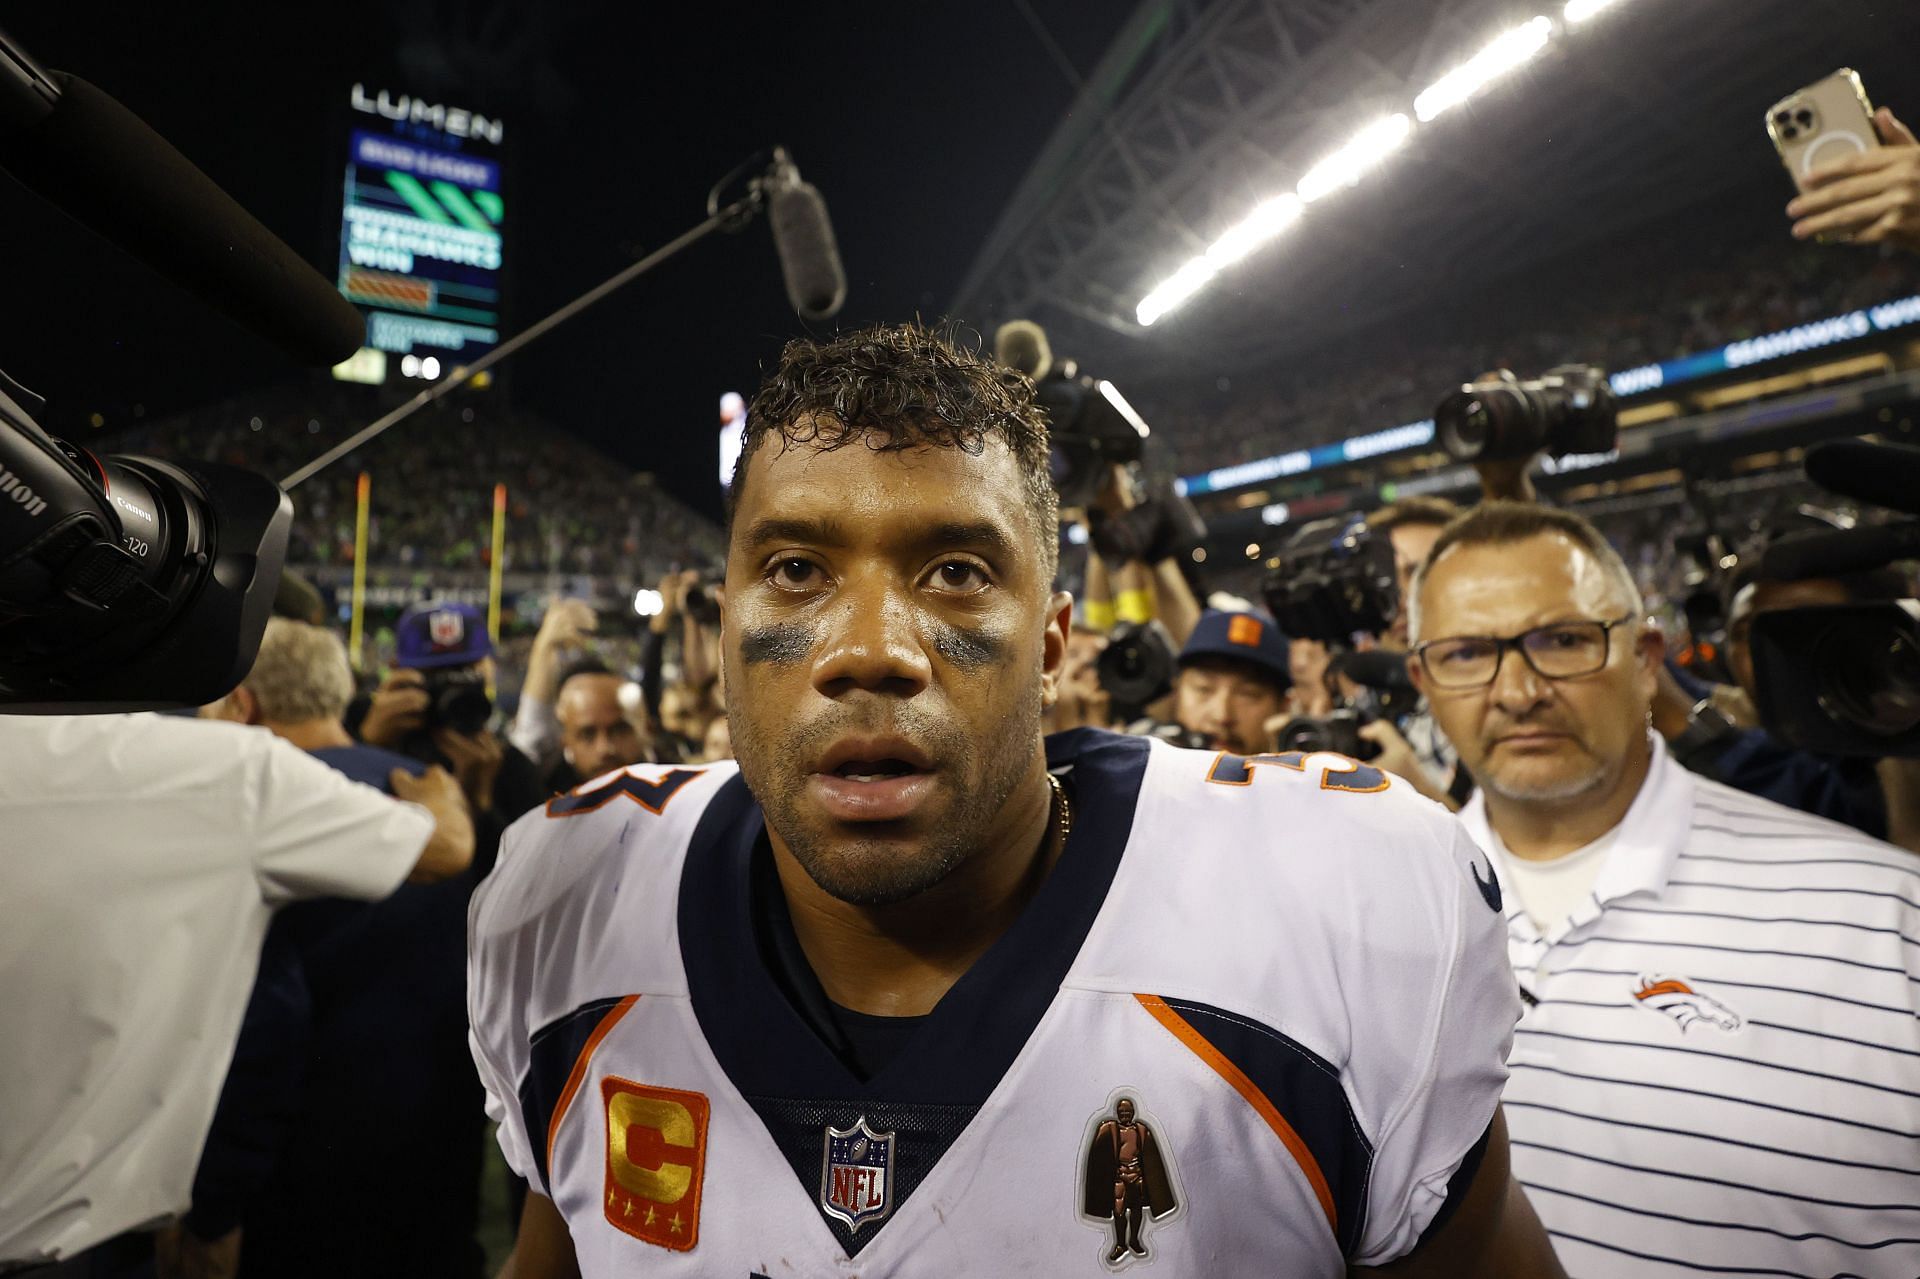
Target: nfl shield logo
[
  {"x": 856, "y": 1175},
  {"x": 446, "y": 630}
]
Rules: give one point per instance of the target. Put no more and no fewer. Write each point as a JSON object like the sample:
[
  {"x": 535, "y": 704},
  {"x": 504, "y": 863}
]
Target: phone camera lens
[{"x": 1803, "y": 117}]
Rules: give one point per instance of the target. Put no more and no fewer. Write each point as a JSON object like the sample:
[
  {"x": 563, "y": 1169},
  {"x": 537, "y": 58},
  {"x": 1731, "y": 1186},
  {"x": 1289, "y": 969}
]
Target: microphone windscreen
[
  {"x": 809, "y": 258},
  {"x": 101, "y": 165},
  {"x": 1883, "y": 474},
  {"x": 1021, "y": 345}
]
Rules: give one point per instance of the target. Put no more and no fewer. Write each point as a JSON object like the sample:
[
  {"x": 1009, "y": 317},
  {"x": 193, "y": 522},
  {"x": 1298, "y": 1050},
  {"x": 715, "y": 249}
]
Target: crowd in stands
[
  {"x": 1649, "y": 298},
  {"x": 571, "y": 509}
]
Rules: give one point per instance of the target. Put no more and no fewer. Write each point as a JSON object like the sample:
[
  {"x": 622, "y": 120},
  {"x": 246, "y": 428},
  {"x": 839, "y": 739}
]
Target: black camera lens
[{"x": 1870, "y": 679}]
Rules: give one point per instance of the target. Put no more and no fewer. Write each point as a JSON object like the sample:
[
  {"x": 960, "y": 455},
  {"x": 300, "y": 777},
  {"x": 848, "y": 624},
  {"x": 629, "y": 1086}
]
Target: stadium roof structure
[{"x": 1202, "y": 109}]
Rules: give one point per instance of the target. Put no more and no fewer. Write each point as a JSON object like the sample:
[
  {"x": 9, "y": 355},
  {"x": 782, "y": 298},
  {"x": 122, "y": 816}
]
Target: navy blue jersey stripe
[
  {"x": 1735, "y": 950},
  {"x": 1753, "y": 1021},
  {"x": 1540, "y": 1187},
  {"x": 1746, "y": 1186},
  {"x": 553, "y": 1050},
  {"x": 1702, "y": 1267},
  {"x": 1766, "y": 919},
  {"x": 1783, "y": 888},
  {"x": 1751, "y": 985},
  {"x": 1306, "y": 1089},
  {"x": 1588, "y": 1117},
  {"x": 1703, "y": 1052},
  {"x": 1518, "y": 1067},
  {"x": 1794, "y": 836}
]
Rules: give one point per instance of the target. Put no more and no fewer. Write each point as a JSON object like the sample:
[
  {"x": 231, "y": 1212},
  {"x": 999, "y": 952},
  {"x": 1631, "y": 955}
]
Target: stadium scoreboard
[{"x": 420, "y": 234}]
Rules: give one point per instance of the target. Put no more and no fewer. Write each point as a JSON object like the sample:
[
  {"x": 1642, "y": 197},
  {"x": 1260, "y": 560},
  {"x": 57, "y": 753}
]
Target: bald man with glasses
[{"x": 1718, "y": 1065}]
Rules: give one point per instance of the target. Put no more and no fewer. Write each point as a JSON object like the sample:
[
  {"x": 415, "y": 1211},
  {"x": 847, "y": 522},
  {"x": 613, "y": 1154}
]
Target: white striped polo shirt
[{"x": 1718, "y": 1068}]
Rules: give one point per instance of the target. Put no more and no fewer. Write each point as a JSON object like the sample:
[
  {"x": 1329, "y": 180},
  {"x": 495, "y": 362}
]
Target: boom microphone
[
  {"x": 803, "y": 237},
  {"x": 1838, "y": 553},
  {"x": 1883, "y": 474},
  {"x": 101, "y": 165}
]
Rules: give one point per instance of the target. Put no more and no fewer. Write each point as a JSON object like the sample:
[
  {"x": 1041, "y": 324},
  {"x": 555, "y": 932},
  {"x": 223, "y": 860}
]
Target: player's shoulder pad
[
  {"x": 1254, "y": 864},
  {"x": 628, "y": 828}
]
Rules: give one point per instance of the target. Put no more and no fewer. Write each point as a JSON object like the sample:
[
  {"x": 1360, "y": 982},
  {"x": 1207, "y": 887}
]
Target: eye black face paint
[
  {"x": 968, "y": 649},
  {"x": 786, "y": 642}
]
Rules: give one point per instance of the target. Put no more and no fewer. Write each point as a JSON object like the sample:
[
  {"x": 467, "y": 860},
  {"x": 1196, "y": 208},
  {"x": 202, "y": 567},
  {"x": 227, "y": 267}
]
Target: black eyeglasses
[{"x": 1564, "y": 650}]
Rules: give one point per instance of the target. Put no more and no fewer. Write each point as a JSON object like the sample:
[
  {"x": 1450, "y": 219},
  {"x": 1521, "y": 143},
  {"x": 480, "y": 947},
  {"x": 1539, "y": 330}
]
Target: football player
[{"x": 914, "y": 991}]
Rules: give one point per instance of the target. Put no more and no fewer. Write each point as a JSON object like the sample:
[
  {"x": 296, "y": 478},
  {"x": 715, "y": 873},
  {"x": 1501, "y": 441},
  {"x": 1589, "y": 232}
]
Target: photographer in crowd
[
  {"x": 679, "y": 713},
  {"x": 153, "y": 853},
  {"x": 1850, "y": 790},
  {"x": 1233, "y": 681},
  {"x": 434, "y": 707},
  {"x": 1695, "y": 962}
]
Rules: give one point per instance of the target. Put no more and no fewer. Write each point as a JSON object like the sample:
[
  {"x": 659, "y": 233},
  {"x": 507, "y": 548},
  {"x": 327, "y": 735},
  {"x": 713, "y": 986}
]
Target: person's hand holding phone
[{"x": 1869, "y": 197}]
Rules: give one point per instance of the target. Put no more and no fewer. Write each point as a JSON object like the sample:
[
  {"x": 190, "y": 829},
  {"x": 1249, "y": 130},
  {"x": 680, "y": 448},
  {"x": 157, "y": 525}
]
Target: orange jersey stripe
[
  {"x": 579, "y": 1075},
  {"x": 1183, "y": 1030}
]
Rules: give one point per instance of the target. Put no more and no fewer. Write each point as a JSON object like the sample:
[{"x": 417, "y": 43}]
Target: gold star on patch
[
  {"x": 676, "y": 1223},
  {"x": 649, "y": 1216},
  {"x": 611, "y": 1196},
  {"x": 629, "y": 1209}
]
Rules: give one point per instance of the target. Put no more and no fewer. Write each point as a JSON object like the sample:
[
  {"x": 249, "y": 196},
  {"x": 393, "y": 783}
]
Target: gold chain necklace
[{"x": 1062, "y": 810}]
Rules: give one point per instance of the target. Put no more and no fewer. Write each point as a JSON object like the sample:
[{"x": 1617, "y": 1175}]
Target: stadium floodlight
[
  {"x": 1175, "y": 289},
  {"x": 1507, "y": 51},
  {"x": 1268, "y": 219},
  {"x": 648, "y": 602},
  {"x": 1363, "y": 153},
  {"x": 1581, "y": 10}
]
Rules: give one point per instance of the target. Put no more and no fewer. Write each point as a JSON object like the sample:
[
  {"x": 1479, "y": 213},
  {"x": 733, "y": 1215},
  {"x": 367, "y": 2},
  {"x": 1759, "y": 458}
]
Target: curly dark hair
[{"x": 899, "y": 386}]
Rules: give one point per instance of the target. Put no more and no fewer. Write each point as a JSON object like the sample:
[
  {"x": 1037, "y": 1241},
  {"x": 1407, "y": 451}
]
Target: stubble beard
[{"x": 873, "y": 871}]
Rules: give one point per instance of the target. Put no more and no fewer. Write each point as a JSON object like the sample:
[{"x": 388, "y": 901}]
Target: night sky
[{"x": 916, "y": 121}]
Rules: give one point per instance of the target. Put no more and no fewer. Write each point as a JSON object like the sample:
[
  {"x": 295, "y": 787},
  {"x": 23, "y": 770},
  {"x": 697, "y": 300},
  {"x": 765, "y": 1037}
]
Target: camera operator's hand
[
  {"x": 1869, "y": 197},
  {"x": 1116, "y": 491},
  {"x": 673, "y": 598},
  {"x": 568, "y": 624},
  {"x": 476, "y": 763},
  {"x": 450, "y": 851},
  {"x": 399, "y": 707},
  {"x": 1397, "y": 757}
]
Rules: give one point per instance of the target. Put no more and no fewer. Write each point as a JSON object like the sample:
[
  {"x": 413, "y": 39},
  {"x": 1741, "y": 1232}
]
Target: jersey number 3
[{"x": 1355, "y": 778}]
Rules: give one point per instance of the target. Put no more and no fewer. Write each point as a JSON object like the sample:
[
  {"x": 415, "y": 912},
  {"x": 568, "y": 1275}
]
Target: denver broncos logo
[{"x": 1680, "y": 1001}]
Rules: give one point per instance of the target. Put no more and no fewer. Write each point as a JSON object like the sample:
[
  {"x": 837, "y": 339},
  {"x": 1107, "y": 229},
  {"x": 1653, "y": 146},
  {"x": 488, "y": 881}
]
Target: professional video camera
[
  {"x": 128, "y": 582},
  {"x": 1335, "y": 579},
  {"x": 1093, "y": 429},
  {"x": 1386, "y": 692},
  {"x": 1844, "y": 679},
  {"x": 457, "y": 698},
  {"x": 1136, "y": 667},
  {"x": 1566, "y": 410},
  {"x": 702, "y": 603}
]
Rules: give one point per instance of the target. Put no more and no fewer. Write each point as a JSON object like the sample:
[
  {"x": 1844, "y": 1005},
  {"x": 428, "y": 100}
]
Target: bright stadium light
[
  {"x": 647, "y": 602},
  {"x": 1363, "y": 153},
  {"x": 1506, "y": 52},
  {"x": 1581, "y": 10},
  {"x": 1175, "y": 289},
  {"x": 1268, "y": 219}
]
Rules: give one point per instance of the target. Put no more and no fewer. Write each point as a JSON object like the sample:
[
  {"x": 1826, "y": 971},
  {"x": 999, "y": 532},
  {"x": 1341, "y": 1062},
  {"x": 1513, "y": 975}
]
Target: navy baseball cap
[
  {"x": 1245, "y": 637},
  {"x": 441, "y": 634}
]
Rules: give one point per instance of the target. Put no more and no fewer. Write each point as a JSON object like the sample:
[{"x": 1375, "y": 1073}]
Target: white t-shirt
[
  {"x": 141, "y": 858},
  {"x": 1550, "y": 891}
]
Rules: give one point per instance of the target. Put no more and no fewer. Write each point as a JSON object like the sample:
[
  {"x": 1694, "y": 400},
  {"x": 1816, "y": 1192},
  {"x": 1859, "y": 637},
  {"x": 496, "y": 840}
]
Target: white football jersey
[{"x": 1254, "y": 1022}]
